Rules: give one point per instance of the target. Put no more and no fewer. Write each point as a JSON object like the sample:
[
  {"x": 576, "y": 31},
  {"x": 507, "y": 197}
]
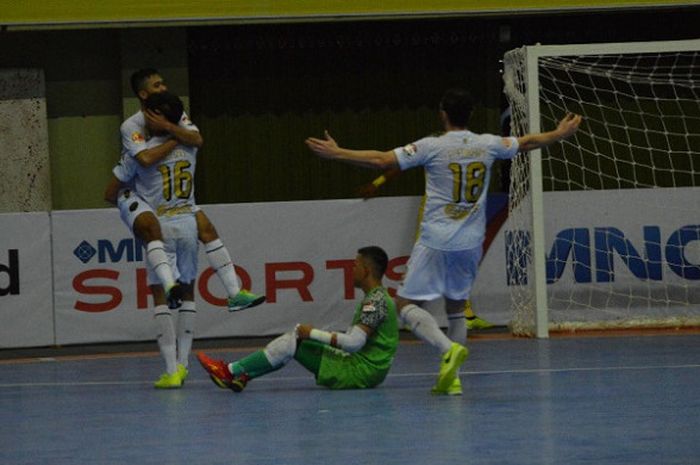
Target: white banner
[
  {"x": 296, "y": 253},
  {"x": 629, "y": 247},
  {"x": 610, "y": 255},
  {"x": 26, "y": 300}
]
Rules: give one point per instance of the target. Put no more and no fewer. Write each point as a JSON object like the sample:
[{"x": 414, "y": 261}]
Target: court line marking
[{"x": 391, "y": 375}]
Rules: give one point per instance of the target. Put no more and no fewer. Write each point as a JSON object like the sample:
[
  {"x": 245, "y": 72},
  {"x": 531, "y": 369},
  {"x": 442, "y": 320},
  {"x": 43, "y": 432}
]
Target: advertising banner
[
  {"x": 610, "y": 255},
  {"x": 26, "y": 299},
  {"x": 298, "y": 254}
]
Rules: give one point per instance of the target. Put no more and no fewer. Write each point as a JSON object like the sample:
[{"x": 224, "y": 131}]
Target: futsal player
[
  {"x": 134, "y": 136},
  {"x": 370, "y": 190},
  {"x": 444, "y": 261},
  {"x": 167, "y": 184},
  {"x": 358, "y": 358}
]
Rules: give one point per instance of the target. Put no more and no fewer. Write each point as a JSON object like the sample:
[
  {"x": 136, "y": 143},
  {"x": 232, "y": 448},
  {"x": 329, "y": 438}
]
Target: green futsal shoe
[{"x": 243, "y": 300}]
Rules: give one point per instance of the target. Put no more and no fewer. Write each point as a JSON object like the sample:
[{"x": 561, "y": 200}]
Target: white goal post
[{"x": 604, "y": 228}]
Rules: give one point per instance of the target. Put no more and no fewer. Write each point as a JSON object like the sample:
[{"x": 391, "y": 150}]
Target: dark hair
[
  {"x": 138, "y": 78},
  {"x": 458, "y": 104},
  {"x": 167, "y": 104},
  {"x": 378, "y": 258}
]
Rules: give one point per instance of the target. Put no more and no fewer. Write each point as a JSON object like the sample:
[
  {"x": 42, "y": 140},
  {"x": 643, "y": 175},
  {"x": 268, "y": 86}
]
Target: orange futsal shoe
[{"x": 218, "y": 371}]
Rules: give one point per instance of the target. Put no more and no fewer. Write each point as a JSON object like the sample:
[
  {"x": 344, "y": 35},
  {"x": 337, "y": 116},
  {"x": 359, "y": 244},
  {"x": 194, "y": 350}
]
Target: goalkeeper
[{"x": 358, "y": 358}]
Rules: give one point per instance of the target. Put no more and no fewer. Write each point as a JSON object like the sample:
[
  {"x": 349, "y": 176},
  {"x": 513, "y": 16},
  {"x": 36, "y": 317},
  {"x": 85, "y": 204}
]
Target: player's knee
[
  {"x": 205, "y": 229},
  {"x": 401, "y": 303},
  {"x": 147, "y": 228},
  {"x": 207, "y": 233}
]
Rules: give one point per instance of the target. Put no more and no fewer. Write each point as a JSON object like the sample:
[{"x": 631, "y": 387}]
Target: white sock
[
  {"x": 166, "y": 338},
  {"x": 424, "y": 326},
  {"x": 220, "y": 261},
  {"x": 185, "y": 331},
  {"x": 457, "y": 328},
  {"x": 157, "y": 258}
]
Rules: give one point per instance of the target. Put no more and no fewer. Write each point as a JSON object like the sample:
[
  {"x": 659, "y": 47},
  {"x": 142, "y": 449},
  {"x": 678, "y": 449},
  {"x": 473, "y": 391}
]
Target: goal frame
[{"x": 533, "y": 53}]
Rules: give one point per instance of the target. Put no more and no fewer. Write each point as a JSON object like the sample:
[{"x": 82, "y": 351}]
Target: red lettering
[
  {"x": 393, "y": 274},
  {"x": 210, "y": 298},
  {"x": 143, "y": 292},
  {"x": 347, "y": 267},
  {"x": 80, "y": 286},
  {"x": 272, "y": 283}
]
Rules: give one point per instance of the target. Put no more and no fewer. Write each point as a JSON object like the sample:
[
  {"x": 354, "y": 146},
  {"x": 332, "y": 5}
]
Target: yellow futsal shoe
[
  {"x": 449, "y": 366},
  {"x": 182, "y": 372},
  {"x": 455, "y": 389},
  {"x": 168, "y": 381},
  {"x": 478, "y": 323}
]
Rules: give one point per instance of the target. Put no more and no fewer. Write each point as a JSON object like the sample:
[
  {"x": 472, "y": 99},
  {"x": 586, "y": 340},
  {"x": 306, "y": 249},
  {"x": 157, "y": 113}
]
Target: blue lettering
[
  {"x": 609, "y": 240},
  {"x": 105, "y": 249},
  {"x": 578, "y": 240},
  {"x": 674, "y": 252}
]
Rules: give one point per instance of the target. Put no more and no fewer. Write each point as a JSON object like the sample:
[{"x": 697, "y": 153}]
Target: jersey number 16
[{"x": 180, "y": 179}]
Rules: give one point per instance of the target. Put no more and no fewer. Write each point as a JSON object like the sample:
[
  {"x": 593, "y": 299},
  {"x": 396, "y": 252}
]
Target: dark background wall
[{"x": 257, "y": 91}]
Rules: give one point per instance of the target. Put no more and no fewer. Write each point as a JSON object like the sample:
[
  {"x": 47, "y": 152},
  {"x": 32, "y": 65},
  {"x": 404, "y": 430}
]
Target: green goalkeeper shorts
[{"x": 337, "y": 369}]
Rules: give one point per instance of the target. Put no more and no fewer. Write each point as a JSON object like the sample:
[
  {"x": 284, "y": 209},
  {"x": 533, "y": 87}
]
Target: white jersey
[
  {"x": 167, "y": 186},
  {"x": 134, "y": 133},
  {"x": 457, "y": 170}
]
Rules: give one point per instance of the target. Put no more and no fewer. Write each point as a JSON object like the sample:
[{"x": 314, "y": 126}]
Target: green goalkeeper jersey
[{"x": 369, "y": 366}]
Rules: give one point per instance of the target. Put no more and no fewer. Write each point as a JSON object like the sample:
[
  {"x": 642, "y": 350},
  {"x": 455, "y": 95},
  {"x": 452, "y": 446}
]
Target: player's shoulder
[
  {"x": 134, "y": 122},
  {"x": 486, "y": 137},
  {"x": 377, "y": 297}
]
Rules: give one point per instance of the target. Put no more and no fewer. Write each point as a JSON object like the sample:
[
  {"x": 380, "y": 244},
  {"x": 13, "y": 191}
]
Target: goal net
[{"x": 604, "y": 227}]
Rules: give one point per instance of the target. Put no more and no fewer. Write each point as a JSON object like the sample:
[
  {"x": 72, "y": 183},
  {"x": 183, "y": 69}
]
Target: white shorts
[
  {"x": 181, "y": 247},
  {"x": 433, "y": 273},
  {"x": 130, "y": 206}
]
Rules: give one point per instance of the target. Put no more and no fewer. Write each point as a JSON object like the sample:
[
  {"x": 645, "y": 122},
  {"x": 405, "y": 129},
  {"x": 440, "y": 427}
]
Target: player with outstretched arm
[{"x": 444, "y": 261}]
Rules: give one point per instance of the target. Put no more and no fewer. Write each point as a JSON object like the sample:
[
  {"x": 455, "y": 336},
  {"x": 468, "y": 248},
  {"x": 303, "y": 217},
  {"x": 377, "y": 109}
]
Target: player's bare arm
[
  {"x": 112, "y": 190},
  {"x": 183, "y": 135},
  {"x": 328, "y": 148},
  {"x": 150, "y": 157},
  {"x": 566, "y": 128}
]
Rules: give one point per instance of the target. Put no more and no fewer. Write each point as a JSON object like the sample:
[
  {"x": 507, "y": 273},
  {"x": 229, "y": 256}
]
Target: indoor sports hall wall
[
  {"x": 265, "y": 87},
  {"x": 24, "y": 151},
  {"x": 76, "y": 276}
]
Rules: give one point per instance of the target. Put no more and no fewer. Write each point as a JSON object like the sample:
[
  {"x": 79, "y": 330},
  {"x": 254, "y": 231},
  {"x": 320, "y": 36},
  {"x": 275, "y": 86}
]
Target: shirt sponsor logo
[
  {"x": 137, "y": 137},
  {"x": 410, "y": 150}
]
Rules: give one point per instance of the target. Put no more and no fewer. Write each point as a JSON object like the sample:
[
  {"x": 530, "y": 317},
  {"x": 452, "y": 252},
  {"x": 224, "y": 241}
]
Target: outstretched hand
[
  {"x": 325, "y": 148},
  {"x": 569, "y": 124}
]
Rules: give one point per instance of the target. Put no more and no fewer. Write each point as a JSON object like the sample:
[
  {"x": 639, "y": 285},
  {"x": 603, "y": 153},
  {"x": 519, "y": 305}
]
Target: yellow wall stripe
[{"x": 53, "y": 12}]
